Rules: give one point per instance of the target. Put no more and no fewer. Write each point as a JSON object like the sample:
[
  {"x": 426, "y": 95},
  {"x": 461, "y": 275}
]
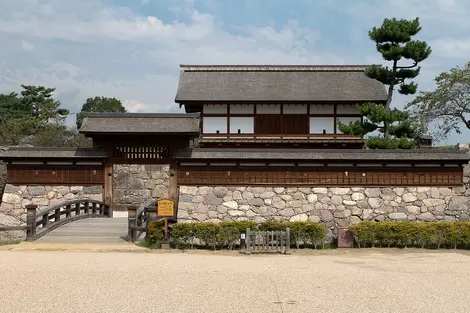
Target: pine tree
[{"x": 394, "y": 42}]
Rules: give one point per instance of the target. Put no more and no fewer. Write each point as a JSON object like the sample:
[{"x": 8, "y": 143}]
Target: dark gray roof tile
[
  {"x": 278, "y": 83},
  {"x": 320, "y": 154},
  {"x": 51, "y": 153},
  {"x": 140, "y": 123}
]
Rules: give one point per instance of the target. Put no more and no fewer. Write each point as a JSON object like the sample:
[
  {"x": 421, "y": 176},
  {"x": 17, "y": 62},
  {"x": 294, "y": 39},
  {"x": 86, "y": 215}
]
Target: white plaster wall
[
  {"x": 322, "y": 109},
  {"x": 268, "y": 109},
  {"x": 347, "y": 109},
  {"x": 215, "y": 109},
  {"x": 245, "y": 124},
  {"x": 213, "y": 124},
  {"x": 242, "y": 109},
  {"x": 318, "y": 124},
  {"x": 295, "y": 109}
]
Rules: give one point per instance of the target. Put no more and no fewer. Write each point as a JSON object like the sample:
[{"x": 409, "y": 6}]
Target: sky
[{"x": 132, "y": 49}]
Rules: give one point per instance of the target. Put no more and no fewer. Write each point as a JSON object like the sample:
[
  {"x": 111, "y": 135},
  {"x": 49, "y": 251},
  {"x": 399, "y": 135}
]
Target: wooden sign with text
[{"x": 165, "y": 207}]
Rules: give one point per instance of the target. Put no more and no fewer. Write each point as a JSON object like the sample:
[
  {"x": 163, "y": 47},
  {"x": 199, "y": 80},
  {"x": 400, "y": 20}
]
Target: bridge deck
[{"x": 90, "y": 230}]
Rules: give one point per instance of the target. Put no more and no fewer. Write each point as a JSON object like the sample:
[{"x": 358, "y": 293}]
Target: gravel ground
[{"x": 337, "y": 281}]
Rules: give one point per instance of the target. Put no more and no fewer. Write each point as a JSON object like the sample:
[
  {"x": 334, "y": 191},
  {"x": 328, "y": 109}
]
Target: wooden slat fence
[{"x": 268, "y": 241}]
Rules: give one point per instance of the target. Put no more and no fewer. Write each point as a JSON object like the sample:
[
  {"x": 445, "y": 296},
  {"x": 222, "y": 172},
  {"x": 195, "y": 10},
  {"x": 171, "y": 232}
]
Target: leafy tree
[
  {"x": 99, "y": 104},
  {"x": 34, "y": 112},
  {"x": 11, "y": 107},
  {"x": 448, "y": 106},
  {"x": 40, "y": 102}
]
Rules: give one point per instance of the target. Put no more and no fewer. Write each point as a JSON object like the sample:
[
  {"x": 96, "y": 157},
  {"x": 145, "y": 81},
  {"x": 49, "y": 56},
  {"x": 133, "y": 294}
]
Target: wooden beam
[
  {"x": 173, "y": 192},
  {"x": 108, "y": 186}
]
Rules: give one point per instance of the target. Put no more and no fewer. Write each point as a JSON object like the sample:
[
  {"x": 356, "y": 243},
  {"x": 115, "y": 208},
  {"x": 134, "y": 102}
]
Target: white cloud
[
  {"x": 134, "y": 106},
  {"x": 86, "y": 48},
  {"x": 27, "y": 45}
]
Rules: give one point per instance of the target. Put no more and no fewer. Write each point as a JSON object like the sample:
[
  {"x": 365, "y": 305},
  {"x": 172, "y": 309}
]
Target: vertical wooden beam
[
  {"x": 31, "y": 222},
  {"x": 108, "y": 185},
  {"x": 228, "y": 120},
  {"x": 173, "y": 192},
  {"x": 335, "y": 113}
]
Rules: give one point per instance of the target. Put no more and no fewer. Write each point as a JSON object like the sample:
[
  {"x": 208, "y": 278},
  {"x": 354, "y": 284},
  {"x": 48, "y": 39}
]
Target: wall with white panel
[
  {"x": 347, "y": 120},
  {"x": 245, "y": 124},
  {"x": 211, "y": 125},
  {"x": 268, "y": 109},
  {"x": 322, "y": 109},
  {"x": 242, "y": 108},
  {"x": 214, "y": 109},
  {"x": 318, "y": 124},
  {"x": 295, "y": 109},
  {"x": 347, "y": 109}
]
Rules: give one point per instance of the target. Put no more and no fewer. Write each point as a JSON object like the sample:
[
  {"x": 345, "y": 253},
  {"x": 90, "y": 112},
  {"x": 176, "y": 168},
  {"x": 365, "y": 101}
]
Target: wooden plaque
[{"x": 165, "y": 207}]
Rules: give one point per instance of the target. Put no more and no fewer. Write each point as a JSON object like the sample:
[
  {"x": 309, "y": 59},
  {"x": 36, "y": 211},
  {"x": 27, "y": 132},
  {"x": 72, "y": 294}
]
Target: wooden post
[
  {"x": 31, "y": 222},
  {"x": 173, "y": 193},
  {"x": 166, "y": 239},
  {"x": 108, "y": 186},
  {"x": 131, "y": 216},
  {"x": 287, "y": 241},
  {"x": 248, "y": 241}
]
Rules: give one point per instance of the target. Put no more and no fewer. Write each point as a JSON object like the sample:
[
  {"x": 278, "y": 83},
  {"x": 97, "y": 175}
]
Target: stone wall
[
  {"x": 15, "y": 198},
  {"x": 138, "y": 184},
  {"x": 335, "y": 207}
]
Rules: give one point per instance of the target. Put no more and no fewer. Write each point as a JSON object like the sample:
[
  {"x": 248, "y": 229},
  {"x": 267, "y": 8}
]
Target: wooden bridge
[
  {"x": 86, "y": 221},
  {"x": 79, "y": 221}
]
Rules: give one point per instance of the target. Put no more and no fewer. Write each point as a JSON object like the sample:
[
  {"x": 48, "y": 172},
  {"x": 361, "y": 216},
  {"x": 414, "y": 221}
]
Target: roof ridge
[
  {"x": 139, "y": 115},
  {"x": 275, "y": 68}
]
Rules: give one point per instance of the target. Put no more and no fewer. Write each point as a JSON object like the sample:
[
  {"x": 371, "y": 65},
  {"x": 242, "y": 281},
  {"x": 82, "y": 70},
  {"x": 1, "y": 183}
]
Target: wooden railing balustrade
[
  {"x": 139, "y": 219},
  {"x": 43, "y": 221}
]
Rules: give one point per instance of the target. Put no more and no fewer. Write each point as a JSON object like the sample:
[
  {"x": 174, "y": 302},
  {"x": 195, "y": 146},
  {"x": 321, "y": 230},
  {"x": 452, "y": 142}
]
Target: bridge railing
[
  {"x": 139, "y": 219},
  {"x": 39, "y": 223}
]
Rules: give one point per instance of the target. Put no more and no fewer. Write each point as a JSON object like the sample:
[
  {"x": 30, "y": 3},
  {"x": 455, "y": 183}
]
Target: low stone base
[{"x": 335, "y": 207}]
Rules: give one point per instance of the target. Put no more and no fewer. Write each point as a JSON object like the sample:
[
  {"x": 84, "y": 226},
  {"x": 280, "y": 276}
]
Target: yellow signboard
[{"x": 165, "y": 207}]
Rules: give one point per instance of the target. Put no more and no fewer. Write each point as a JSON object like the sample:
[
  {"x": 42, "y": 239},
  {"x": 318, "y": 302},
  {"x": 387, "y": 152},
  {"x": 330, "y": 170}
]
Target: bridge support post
[
  {"x": 31, "y": 222},
  {"x": 108, "y": 186},
  {"x": 131, "y": 213}
]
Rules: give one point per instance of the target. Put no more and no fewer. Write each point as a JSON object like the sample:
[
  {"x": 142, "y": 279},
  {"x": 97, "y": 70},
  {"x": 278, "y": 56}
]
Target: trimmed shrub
[
  {"x": 155, "y": 234},
  {"x": 183, "y": 234},
  {"x": 411, "y": 234},
  {"x": 226, "y": 235}
]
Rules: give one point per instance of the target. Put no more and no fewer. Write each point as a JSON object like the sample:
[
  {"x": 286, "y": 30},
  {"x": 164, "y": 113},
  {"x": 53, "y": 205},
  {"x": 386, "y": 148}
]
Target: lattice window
[{"x": 140, "y": 152}]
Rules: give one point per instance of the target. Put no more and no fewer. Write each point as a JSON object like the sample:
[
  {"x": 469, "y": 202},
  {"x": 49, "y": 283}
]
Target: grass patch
[{"x": 7, "y": 242}]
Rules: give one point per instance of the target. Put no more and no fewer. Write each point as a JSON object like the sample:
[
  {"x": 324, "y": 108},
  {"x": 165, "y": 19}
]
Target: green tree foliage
[
  {"x": 59, "y": 136},
  {"x": 99, "y": 104},
  {"x": 43, "y": 108},
  {"x": 394, "y": 42},
  {"x": 35, "y": 117},
  {"x": 402, "y": 130},
  {"x": 448, "y": 106}
]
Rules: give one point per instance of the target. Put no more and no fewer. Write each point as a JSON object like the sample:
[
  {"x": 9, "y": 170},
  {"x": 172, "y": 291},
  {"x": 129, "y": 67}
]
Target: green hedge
[
  {"x": 412, "y": 234},
  {"x": 225, "y": 235}
]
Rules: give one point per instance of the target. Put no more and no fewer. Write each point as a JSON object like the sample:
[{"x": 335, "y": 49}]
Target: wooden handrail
[
  {"x": 139, "y": 218},
  {"x": 41, "y": 222}
]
